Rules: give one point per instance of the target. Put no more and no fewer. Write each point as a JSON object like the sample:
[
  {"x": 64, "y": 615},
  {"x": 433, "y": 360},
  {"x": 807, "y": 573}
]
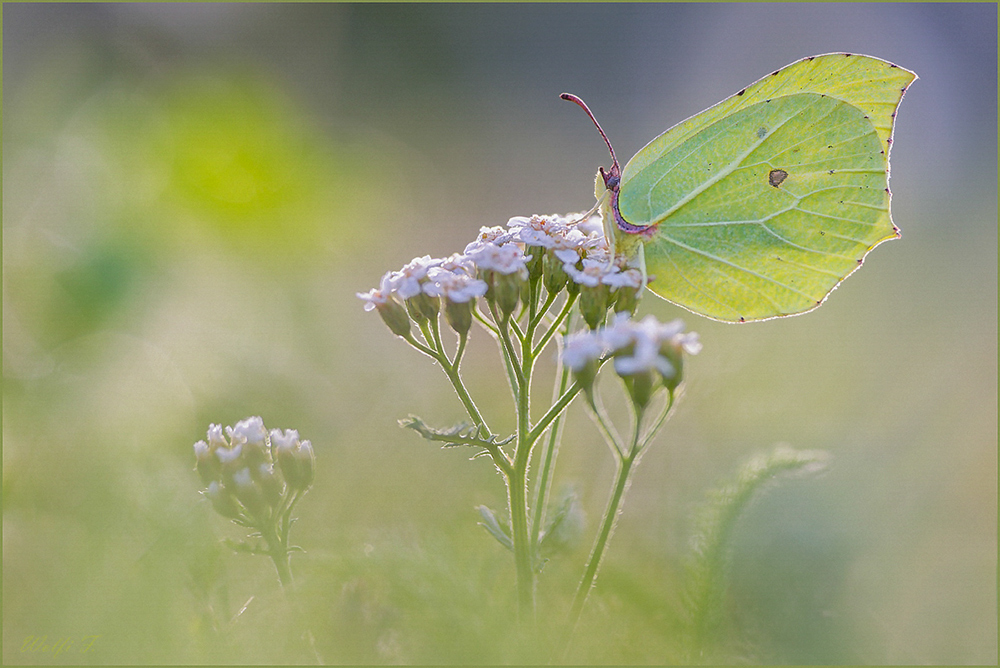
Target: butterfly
[{"x": 759, "y": 206}]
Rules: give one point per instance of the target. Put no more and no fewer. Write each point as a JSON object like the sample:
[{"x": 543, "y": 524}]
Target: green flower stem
[
  {"x": 557, "y": 408},
  {"x": 549, "y": 453},
  {"x": 278, "y": 551},
  {"x": 607, "y": 428},
  {"x": 463, "y": 395},
  {"x": 664, "y": 413},
  {"x": 463, "y": 339},
  {"x": 513, "y": 370},
  {"x": 485, "y": 322},
  {"x": 495, "y": 332},
  {"x": 622, "y": 480},
  {"x": 451, "y": 370},
  {"x": 518, "y": 491},
  {"x": 537, "y": 317},
  {"x": 430, "y": 352},
  {"x": 563, "y": 314},
  {"x": 518, "y": 502}
]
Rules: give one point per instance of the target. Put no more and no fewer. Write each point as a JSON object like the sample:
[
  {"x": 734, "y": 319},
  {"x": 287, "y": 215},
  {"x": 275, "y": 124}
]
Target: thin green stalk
[
  {"x": 518, "y": 494},
  {"x": 463, "y": 395},
  {"x": 278, "y": 551},
  {"x": 622, "y": 480},
  {"x": 537, "y": 318},
  {"x": 507, "y": 345},
  {"x": 517, "y": 500},
  {"x": 554, "y": 412},
  {"x": 563, "y": 314},
  {"x": 430, "y": 352},
  {"x": 549, "y": 453}
]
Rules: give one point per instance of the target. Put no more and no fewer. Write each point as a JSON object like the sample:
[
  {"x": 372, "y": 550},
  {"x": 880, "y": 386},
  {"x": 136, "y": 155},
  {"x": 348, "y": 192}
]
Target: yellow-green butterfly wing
[{"x": 761, "y": 205}]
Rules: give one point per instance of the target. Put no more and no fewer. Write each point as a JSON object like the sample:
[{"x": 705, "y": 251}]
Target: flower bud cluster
[
  {"x": 501, "y": 265},
  {"x": 648, "y": 355},
  {"x": 249, "y": 475}
]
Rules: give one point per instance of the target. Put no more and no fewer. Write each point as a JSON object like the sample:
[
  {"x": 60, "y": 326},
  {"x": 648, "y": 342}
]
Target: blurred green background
[{"x": 194, "y": 193}]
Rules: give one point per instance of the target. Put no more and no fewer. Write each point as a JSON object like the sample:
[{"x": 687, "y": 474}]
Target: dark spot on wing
[
  {"x": 774, "y": 73},
  {"x": 741, "y": 319},
  {"x": 761, "y": 133},
  {"x": 741, "y": 92},
  {"x": 776, "y": 176}
]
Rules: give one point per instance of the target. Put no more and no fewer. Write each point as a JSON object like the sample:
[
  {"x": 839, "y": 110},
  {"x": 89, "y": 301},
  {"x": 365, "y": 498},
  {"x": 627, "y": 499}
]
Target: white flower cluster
[
  {"x": 239, "y": 472},
  {"x": 453, "y": 278},
  {"x": 638, "y": 347},
  {"x": 568, "y": 252}
]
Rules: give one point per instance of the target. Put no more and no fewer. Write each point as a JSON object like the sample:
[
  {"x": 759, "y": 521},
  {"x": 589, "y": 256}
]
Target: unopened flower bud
[
  {"x": 296, "y": 458},
  {"x": 594, "y": 304},
  {"x": 640, "y": 387},
  {"x": 394, "y": 316},
  {"x": 251, "y": 434},
  {"x": 459, "y": 316},
  {"x": 423, "y": 307},
  {"x": 222, "y": 500},
  {"x": 534, "y": 261},
  {"x": 307, "y": 465},
  {"x": 507, "y": 291},
  {"x": 270, "y": 483},
  {"x": 627, "y": 300},
  {"x": 249, "y": 493},
  {"x": 673, "y": 372},
  {"x": 581, "y": 353},
  {"x": 553, "y": 275},
  {"x": 229, "y": 458},
  {"x": 208, "y": 465}
]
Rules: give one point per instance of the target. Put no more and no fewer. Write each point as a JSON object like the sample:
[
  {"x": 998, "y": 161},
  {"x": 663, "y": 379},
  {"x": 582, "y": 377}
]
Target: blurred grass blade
[{"x": 714, "y": 524}]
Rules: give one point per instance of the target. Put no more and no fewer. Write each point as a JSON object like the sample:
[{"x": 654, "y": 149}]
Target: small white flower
[
  {"x": 378, "y": 296},
  {"x": 690, "y": 342},
  {"x": 250, "y": 430},
  {"x": 459, "y": 264},
  {"x": 406, "y": 282},
  {"x": 644, "y": 357},
  {"x": 581, "y": 348},
  {"x": 284, "y": 440},
  {"x": 591, "y": 275},
  {"x": 630, "y": 278},
  {"x": 201, "y": 450},
  {"x": 645, "y": 339},
  {"x": 455, "y": 287},
  {"x": 227, "y": 455},
  {"x": 489, "y": 235},
  {"x": 215, "y": 437},
  {"x": 537, "y": 230},
  {"x": 592, "y": 226},
  {"x": 506, "y": 259}
]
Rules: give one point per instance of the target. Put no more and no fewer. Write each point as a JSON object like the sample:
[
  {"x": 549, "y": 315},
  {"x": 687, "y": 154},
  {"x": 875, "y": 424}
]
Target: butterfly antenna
[{"x": 583, "y": 105}]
